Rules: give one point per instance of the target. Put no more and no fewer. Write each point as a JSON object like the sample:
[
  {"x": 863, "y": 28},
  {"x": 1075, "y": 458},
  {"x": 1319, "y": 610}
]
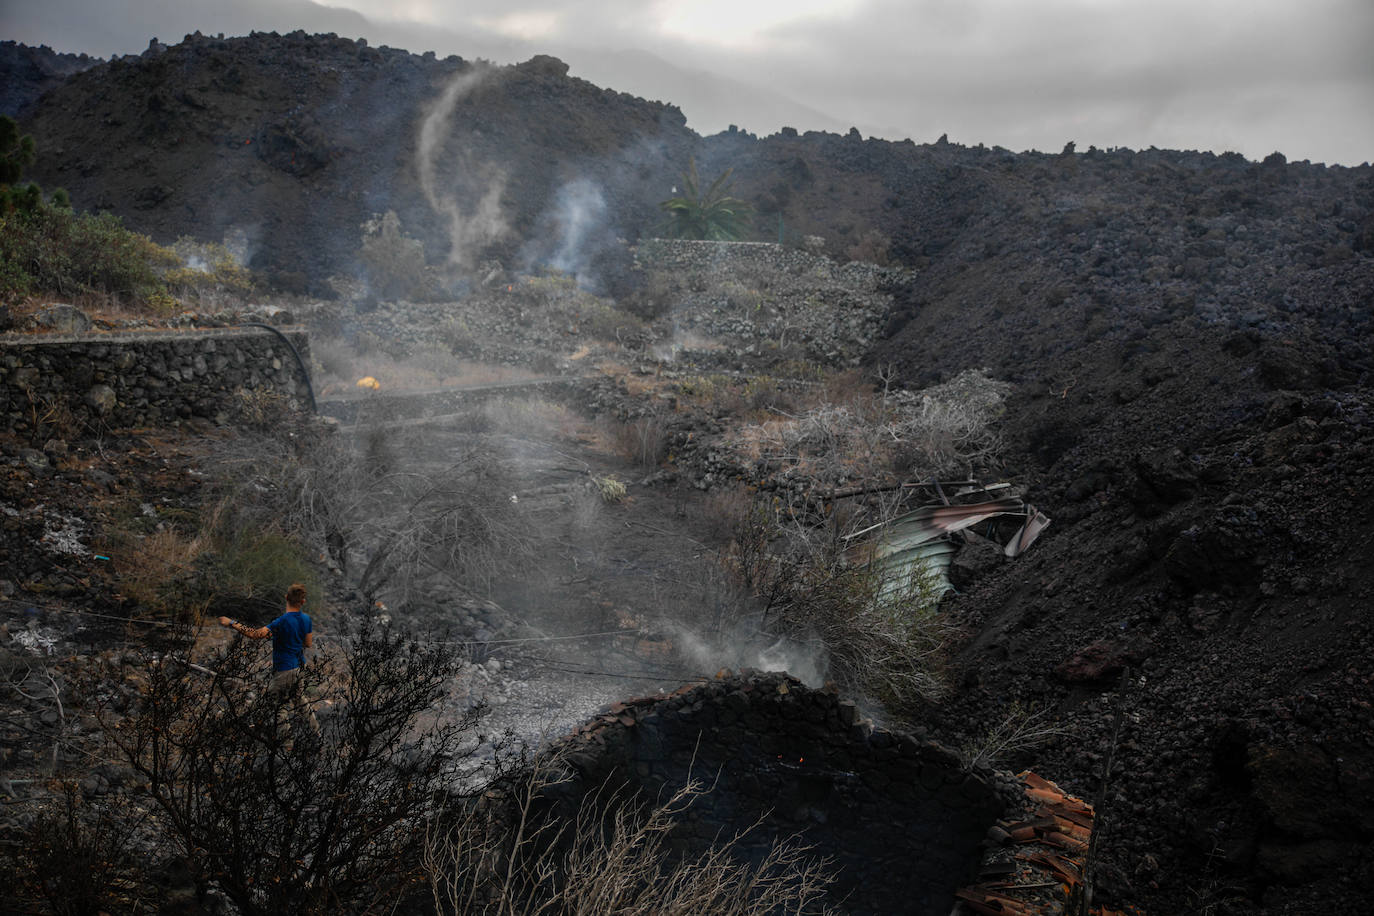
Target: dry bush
[
  {"x": 261, "y": 409},
  {"x": 829, "y": 442},
  {"x": 156, "y": 570},
  {"x": 605, "y": 322},
  {"x": 77, "y": 858},
  {"x": 847, "y": 387},
  {"x": 725, "y": 511},
  {"x": 513, "y": 856},
  {"x": 349, "y": 504},
  {"x": 50, "y": 418},
  {"x": 1023, "y": 728},
  {"x": 458, "y": 523},
  {"x": 883, "y": 638},
  {"x": 873, "y": 247},
  {"x": 609, "y": 489},
  {"x": 856, "y": 433},
  {"x": 283, "y": 819},
  {"x": 530, "y": 417},
  {"x": 950, "y": 428},
  {"x": 642, "y": 440},
  {"x": 880, "y": 637},
  {"x": 226, "y": 556}
]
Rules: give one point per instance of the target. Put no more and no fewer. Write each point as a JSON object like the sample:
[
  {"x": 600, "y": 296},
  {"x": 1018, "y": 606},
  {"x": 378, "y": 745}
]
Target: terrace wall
[{"x": 120, "y": 380}]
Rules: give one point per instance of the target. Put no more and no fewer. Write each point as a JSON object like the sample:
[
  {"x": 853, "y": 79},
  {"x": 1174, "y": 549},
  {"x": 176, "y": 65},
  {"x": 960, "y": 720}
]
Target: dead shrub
[
  {"x": 285, "y": 819},
  {"x": 262, "y": 409},
  {"x": 872, "y": 247},
  {"x": 856, "y": 434},
  {"x": 76, "y": 858},
  {"x": 642, "y": 440},
  {"x": 51, "y": 418},
  {"x": 514, "y": 854},
  {"x": 157, "y": 571},
  {"x": 881, "y": 637}
]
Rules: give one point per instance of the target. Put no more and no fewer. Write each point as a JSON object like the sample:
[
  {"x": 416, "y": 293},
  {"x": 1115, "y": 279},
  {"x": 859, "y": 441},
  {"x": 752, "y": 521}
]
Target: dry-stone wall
[
  {"x": 902, "y": 818},
  {"x": 125, "y": 380}
]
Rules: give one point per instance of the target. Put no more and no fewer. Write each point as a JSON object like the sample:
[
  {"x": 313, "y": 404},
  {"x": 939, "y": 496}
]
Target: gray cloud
[{"x": 1248, "y": 75}]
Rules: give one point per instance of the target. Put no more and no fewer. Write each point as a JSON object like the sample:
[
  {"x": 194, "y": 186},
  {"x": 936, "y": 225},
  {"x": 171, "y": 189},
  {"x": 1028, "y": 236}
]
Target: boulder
[
  {"x": 62, "y": 319},
  {"x": 101, "y": 399}
]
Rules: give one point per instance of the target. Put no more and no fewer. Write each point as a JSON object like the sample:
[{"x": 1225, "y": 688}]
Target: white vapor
[
  {"x": 808, "y": 663},
  {"x": 468, "y": 232},
  {"x": 579, "y": 211}
]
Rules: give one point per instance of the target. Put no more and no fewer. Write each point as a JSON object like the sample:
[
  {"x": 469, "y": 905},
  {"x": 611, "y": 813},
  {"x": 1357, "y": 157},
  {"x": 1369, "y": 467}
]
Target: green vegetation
[
  {"x": 207, "y": 271},
  {"x": 16, "y": 154},
  {"x": 51, "y": 249},
  {"x": 394, "y": 262},
  {"x": 710, "y": 214},
  {"x": 45, "y": 247},
  {"x": 48, "y": 248}
]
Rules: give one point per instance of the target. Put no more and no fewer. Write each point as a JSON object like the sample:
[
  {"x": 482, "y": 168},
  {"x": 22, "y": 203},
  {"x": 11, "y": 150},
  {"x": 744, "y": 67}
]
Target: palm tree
[{"x": 711, "y": 214}]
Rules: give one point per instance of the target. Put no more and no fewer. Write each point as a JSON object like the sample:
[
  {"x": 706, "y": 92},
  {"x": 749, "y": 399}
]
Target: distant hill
[{"x": 26, "y": 73}]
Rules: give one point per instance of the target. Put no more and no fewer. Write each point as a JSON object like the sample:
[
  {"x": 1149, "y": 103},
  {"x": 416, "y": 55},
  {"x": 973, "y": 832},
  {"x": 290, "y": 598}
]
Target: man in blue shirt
[{"x": 291, "y": 636}]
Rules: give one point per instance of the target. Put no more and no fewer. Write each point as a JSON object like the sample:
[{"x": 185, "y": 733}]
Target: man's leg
[
  {"x": 289, "y": 683},
  {"x": 276, "y": 692},
  {"x": 302, "y": 703}
]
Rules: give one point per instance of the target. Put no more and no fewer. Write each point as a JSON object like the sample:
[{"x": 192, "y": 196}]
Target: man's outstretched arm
[{"x": 250, "y": 632}]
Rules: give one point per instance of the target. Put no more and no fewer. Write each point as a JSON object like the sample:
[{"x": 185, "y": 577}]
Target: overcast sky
[{"x": 1253, "y": 76}]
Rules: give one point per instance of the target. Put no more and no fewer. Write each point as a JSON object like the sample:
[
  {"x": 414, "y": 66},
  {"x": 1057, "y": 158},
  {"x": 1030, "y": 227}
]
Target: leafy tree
[
  {"x": 710, "y": 213},
  {"x": 17, "y": 152}
]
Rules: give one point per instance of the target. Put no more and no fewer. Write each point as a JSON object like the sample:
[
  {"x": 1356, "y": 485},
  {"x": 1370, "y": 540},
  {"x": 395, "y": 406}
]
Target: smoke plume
[
  {"x": 580, "y": 215},
  {"x": 470, "y": 231}
]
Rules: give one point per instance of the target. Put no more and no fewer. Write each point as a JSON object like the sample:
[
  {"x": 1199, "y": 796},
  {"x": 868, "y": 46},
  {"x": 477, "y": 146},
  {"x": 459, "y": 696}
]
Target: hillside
[{"x": 1186, "y": 335}]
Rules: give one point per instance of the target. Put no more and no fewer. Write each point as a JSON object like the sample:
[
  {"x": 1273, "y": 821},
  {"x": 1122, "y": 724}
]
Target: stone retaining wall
[
  {"x": 144, "y": 379},
  {"x": 901, "y": 817}
]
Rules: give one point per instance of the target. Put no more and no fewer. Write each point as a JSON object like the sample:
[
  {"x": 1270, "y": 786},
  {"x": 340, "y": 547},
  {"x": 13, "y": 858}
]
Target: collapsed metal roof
[{"x": 923, "y": 542}]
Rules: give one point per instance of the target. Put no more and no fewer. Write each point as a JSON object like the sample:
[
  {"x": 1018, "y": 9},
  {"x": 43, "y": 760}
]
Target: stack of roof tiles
[{"x": 1036, "y": 862}]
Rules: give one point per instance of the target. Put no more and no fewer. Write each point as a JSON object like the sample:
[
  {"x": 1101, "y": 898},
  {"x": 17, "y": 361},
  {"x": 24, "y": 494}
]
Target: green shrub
[
  {"x": 257, "y": 567},
  {"x": 205, "y": 270},
  {"x": 394, "y": 262},
  {"x": 51, "y": 249}
]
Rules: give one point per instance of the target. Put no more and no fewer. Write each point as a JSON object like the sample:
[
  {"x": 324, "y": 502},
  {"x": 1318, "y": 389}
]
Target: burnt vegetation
[{"x": 1166, "y": 349}]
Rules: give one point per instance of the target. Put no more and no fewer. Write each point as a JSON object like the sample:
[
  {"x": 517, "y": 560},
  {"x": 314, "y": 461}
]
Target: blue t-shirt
[{"x": 288, "y": 640}]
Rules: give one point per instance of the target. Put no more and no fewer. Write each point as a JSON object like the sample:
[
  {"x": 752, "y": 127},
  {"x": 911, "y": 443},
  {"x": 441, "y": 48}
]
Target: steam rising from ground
[
  {"x": 468, "y": 231},
  {"x": 806, "y": 662},
  {"x": 581, "y": 211}
]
